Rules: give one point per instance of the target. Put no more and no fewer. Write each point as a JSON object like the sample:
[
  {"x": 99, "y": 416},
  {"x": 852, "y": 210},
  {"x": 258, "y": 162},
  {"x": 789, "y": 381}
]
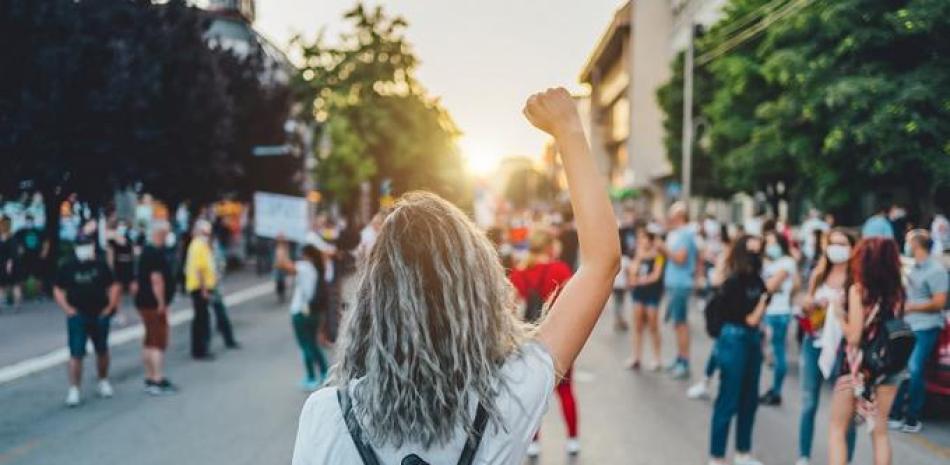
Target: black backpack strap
[
  {"x": 471, "y": 445},
  {"x": 356, "y": 433}
]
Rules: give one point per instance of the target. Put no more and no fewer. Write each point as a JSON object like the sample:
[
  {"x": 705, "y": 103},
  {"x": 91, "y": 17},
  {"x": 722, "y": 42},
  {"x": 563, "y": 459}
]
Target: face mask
[
  {"x": 121, "y": 230},
  {"x": 85, "y": 252},
  {"x": 773, "y": 251},
  {"x": 908, "y": 251},
  {"x": 838, "y": 253},
  {"x": 170, "y": 240}
]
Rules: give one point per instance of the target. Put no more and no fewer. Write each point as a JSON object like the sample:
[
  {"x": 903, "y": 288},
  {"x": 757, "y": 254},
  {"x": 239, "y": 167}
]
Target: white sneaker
[
  {"x": 895, "y": 424},
  {"x": 803, "y": 461},
  {"x": 699, "y": 390},
  {"x": 746, "y": 459},
  {"x": 72, "y": 396},
  {"x": 573, "y": 447},
  {"x": 105, "y": 389},
  {"x": 534, "y": 449}
]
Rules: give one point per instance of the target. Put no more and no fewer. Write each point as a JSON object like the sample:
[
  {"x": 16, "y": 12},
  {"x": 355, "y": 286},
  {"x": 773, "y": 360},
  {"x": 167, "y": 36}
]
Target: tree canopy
[
  {"x": 381, "y": 122},
  {"x": 833, "y": 101}
]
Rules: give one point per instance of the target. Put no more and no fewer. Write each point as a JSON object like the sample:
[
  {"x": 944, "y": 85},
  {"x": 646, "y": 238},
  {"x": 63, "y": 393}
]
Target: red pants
[{"x": 565, "y": 393}]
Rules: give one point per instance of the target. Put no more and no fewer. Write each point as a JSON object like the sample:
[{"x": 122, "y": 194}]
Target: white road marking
[{"x": 122, "y": 336}]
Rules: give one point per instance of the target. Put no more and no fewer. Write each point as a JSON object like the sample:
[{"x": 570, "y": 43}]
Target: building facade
[{"x": 629, "y": 63}]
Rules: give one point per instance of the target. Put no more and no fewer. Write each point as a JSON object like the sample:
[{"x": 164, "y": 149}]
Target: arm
[
  {"x": 655, "y": 274},
  {"x": 679, "y": 256},
  {"x": 936, "y": 303},
  {"x": 115, "y": 291},
  {"x": 854, "y": 320},
  {"x": 576, "y": 310},
  {"x": 158, "y": 288},
  {"x": 775, "y": 282},
  {"x": 754, "y": 318},
  {"x": 633, "y": 272},
  {"x": 60, "y": 296}
]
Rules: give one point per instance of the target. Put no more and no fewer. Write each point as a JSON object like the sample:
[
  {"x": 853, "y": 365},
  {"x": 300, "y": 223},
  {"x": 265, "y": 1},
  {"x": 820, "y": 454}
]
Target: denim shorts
[
  {"x": 80, "y": 328},
  {"x": 677, "y": 304}
]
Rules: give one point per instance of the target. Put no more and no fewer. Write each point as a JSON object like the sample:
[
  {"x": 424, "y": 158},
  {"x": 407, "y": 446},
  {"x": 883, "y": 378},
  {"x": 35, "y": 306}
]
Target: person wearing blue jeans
[
  {"x": 811, "y": 383},
  {"x": 779, "y": 273},
  {"x": 927, "y": 284},
  {"x": 738, "y": 352}
]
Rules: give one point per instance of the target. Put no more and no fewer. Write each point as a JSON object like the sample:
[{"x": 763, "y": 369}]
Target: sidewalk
[{"x": 39, "y": 327}]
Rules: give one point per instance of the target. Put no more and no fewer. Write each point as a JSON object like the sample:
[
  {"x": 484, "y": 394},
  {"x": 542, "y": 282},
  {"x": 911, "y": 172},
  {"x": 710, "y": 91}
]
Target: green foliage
[
  {"x": 380, "y": 120},
  {"x": 839, "y": 99}
]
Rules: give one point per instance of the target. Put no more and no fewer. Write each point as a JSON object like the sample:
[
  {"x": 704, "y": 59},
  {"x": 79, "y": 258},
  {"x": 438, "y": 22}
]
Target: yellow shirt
[{"x": 199, "y": 265}]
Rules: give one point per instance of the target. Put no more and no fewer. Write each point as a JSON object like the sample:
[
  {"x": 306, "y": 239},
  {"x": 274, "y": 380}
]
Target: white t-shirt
[
  {"x": 323, "y": 439},
  {"x": 781, "y": 303},
  {"x": 305, "y": 284}
]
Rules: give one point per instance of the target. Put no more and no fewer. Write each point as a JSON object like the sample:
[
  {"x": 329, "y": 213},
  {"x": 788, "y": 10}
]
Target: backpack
[
  {"x": 887, "y": 352},
  {"x": 368, "y": 456},
  {"x": 320, "y": 299},
  {"x": 535, "y": 301}
]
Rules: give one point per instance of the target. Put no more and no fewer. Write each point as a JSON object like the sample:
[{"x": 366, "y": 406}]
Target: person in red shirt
[{"x": 538, "y": 280}]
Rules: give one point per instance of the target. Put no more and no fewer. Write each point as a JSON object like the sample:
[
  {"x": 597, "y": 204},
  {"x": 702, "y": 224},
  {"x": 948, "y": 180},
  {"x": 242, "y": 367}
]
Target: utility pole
[{"x": 688, "y": 116}]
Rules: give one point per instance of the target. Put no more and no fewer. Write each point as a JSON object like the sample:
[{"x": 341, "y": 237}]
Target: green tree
[{"x": 379, "y": 118}]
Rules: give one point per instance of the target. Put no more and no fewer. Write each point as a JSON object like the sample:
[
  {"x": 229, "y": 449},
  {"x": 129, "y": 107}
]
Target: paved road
[{"x": 243, "y": 407}]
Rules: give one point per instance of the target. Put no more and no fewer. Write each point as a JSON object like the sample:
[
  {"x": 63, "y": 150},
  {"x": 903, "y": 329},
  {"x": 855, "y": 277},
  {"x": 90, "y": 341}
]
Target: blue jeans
[
  {"x": 811, "y": 383},
  {"x": 82, "y": 327},
  {"x": 710, "y": 369},
  {"x": 739, "y": 357},
  {"x": 911, "y": 394},
  {"x": 778, "y": 324}
]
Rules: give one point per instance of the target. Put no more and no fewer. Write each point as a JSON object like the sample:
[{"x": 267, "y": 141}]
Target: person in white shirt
[
  {"x": 434, "y": 361},
  {"x": 780, "y": 272},
  {"x": 809, "y": 226},
  {"x": 308, "y": 277}
]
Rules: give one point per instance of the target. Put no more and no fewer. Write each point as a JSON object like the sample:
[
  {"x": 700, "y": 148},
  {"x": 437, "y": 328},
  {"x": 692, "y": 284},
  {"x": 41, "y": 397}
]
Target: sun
[{"x": 480, "y": 158}]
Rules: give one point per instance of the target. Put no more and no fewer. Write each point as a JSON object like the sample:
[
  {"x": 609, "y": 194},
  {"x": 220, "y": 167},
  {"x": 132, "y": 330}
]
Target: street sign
[
  {"x": 277, "y": 214},
  {"x": 271, "y": 150}
]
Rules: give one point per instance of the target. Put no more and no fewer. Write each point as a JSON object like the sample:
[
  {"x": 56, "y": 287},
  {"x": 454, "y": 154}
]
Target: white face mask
[
  {"x": 170, "y": 240},
  {"x": 838, "y": 253},
  {"x": 85, "y": 253}
]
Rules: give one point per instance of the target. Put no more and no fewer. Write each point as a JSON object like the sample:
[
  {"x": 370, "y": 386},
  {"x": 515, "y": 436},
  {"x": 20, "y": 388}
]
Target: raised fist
[{"x": 553, "y": 111}]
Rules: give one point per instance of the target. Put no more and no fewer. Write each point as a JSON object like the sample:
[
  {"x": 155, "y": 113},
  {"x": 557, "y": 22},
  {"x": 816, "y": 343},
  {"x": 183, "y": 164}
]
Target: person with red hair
[{"x": 874, "y": 296}]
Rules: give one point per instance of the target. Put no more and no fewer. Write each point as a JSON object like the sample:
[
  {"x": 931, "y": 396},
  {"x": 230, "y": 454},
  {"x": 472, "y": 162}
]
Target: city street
[{"x": 242, "y": 408}]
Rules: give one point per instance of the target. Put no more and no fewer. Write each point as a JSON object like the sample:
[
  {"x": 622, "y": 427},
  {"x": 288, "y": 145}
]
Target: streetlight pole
[{"x": 688, "y": 116}]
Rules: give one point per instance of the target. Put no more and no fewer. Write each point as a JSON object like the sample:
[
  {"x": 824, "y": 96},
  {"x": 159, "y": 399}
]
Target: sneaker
[
  {"x": 681, "y": 371},
  {"x": 152, "y": 389},
  {"x": 573, "y": 446},
  {"x": 620, "y": 325},
  {"x": 895, "y": 423},
  {"x": 632, "y": 364},
  {"x": 771, "y": 399},
  {"x": 72, "y": 396},
  {"x": 534, "y": 449},
  {"x": 655, "y": 366},
  {"x": 803, "y": 461},
  {"x": 105, "y": 389},
  {"x": 699, "y": 390},
  {"x": 235, "y": 345},
  {"x": 167, "y": 386},
  {"x": 912, "y": 427},
  {"x": 745, "y": 459}
]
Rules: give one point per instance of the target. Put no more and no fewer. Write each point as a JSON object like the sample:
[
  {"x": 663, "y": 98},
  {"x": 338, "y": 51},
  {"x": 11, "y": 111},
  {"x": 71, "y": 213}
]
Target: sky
[{"x": 483, "y": 58}]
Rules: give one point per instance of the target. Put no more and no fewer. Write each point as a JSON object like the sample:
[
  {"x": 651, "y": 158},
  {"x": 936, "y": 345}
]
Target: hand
[
  {"x": 553, "y": 111},
  {"x": 109, "y": 311},
  {"x": 206, "y": 294},
  {"x": 162, "y": 309},
  {"x": 70, "y": 312}
]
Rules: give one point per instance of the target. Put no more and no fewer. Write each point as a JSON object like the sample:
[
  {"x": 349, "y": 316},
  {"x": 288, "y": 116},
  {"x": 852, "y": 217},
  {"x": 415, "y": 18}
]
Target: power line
[
  {"x": 750, "y": 17},
  {"x": 752, "y": 31}
]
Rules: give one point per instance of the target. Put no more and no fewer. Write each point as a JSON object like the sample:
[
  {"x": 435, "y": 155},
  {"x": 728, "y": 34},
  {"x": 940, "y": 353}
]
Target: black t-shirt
[
  {"x": 86, "y": 284},
  {"x": 7, "y": 250},
  {"x": 30, "y": 241},
  {"x": 153, "y": 260},
  {"x": 628, "y": 241},
  {"x": 740, "y": 295}
]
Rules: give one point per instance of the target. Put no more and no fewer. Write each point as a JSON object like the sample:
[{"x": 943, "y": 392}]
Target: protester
[
  {"x": 810, "y": 245},
  {"x": 926, "y": 298},
  {"x": 717, "y": 276},
  {"x": 305, "y": 304},
  {"x": 874, "y": 296},
  {"x": 940, "y": 233},
  {"x": 826, "y": 288},
  {"x": 32, "y": 250},
  {"x": 10, "y": 287},
  {"x": 681, "y": 254},
  {"x": 87, "y": 292},
  {"x": 878, "y": 224},
  {"x": 621, "y": 288},
  {"x": 436, "y": 314},
  {"x": 780, "y": 273},
  {"x": 567, "y": 238},
  {"x": 740, "y": 307},
  {"x": 155, "y": 289},
  {"x": 537, "y": 280},
  {"x": 646, "y": 279},
  {"x": 200, "y": 281},
  {"x": 281, "y": 256},
  {"x": 368, "y": 236}
]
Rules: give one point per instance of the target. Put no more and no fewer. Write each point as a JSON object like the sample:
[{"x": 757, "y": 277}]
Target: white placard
[{"x": 277, "y": 214}]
